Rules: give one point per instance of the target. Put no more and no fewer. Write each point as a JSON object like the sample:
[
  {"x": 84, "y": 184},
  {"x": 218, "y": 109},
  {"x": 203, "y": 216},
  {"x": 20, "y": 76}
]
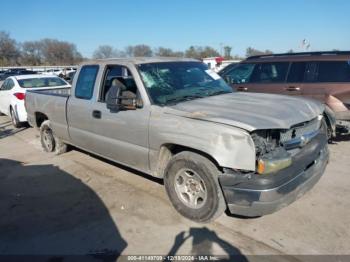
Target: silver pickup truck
[{"x": 174, "y": 119}]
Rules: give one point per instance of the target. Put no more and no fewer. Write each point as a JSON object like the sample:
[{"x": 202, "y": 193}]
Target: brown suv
[{"x": 324, "y": 76}]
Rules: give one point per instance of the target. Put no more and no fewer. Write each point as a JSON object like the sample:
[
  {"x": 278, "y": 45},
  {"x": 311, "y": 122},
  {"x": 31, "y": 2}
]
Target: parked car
[
  {"x": 13, "y": 92},
  {"x": 70, "y": 76},
  {"x": 324, "y": 76},
  {"x": 65, "y": 71},
  {"x": 55, "y": 72},
  {"x": 16, "y": 72},
  {"x": 177, "y": 120}
]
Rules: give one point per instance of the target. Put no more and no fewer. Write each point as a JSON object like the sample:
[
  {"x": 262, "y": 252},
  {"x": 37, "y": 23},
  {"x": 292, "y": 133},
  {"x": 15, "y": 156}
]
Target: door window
[
  {"x": 296, "y": 72},
  {"x": 7, "y": 85},
  {"x": 3, "y": 86},
  {"x": 86, "y": 81},
  {"x": 311, "y": 72},
  {"x": 334, "y": 71},
  {"x": 121, "y": 75},
  {"x": 239, "y": 74},
  {"x": 10, "y": 84},
  {"x": 270, "y": 72}
]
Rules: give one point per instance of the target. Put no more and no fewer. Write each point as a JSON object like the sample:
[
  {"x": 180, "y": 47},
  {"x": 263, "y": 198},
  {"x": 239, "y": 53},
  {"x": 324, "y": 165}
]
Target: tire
[
  {"x": 190, "y": 173},
  {"x": 14, "y": 119},
  {"x": 49, "y": 142}
]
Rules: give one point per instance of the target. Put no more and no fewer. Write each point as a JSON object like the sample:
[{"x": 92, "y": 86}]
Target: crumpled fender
[{"x": 231, "y": 147}]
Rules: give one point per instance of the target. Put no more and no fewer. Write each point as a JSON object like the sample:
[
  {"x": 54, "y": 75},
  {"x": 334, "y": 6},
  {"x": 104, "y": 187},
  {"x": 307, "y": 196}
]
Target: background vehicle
[
  {"x": 55, "y": 72},
  {"x": 324, "y": 76},
  {"x": 13, "y": 91},
  {"x": 1, "y": 73},
  {"x": 69, "y": 77},
  {"x": 177, "y": 120},
  {"x": 66, "y": 71},
  {"x": 16, "y": 72}
]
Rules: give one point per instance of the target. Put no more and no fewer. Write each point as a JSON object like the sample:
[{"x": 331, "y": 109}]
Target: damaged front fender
[{"x": 231, "y": 147}]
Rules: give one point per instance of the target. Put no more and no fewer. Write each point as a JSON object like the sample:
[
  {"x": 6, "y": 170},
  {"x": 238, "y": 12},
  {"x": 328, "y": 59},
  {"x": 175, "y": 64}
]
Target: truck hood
[{"x": 249, "y": 111}]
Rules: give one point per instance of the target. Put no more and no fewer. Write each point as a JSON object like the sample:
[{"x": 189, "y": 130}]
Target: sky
[{"x": 266, "y": 24}]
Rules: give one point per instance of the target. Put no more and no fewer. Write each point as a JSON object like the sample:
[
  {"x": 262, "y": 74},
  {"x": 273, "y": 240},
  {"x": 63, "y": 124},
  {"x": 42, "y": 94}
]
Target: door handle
[
  {"x": 242, "y": 88},
  {"x": 293, "y": 88},
  {"x": 96, "y": 114}
]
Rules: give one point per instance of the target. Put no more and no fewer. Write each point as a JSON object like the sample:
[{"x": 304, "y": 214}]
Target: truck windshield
[
  {"x": 41, "y": 82},
  {"x": 174, "y": 82}
]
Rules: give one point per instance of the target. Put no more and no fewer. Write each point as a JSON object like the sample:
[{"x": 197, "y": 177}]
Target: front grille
[{"x": 300, "y": 130}]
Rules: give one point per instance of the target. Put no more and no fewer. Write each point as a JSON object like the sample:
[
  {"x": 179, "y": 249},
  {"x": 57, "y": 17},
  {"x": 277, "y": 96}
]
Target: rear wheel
[
  {"x": 14, "y": 119},
  {"x": 191, "y": 182},
  {"x": 49, "y": 142}
]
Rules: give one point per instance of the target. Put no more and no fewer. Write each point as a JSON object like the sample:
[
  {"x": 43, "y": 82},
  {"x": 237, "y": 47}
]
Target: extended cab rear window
[
  {"x": 41, "y": 82},
  {"x": 86, "y": 81}
]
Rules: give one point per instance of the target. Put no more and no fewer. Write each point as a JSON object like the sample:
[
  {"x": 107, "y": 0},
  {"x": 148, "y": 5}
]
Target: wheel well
[
  {"x": 167, "y": 151},
  {"x": 40, "y": 118}
]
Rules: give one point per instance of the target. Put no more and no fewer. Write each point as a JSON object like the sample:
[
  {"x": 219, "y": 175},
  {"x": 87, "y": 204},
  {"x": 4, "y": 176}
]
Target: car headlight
[{"x": 273, "y": 161}]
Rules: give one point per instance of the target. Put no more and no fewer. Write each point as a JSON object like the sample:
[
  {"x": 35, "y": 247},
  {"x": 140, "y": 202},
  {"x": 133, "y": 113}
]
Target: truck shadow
[
  {"x": 47, "y": 214},
  {"x": 126, "y": 168},
  {"x": 202, "y": 245}
]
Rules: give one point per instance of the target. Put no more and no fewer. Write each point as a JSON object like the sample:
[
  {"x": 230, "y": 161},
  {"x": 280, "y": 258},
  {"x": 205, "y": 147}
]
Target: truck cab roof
[{"x": 138, "y": 60}]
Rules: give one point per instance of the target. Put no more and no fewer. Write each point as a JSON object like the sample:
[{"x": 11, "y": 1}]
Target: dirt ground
[{"x": 77, "y": 203}]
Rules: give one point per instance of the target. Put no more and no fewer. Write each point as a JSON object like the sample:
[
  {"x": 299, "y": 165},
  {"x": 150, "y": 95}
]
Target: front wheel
[
  {"x": 191, "y": 182},
  {"x": 49, "y": 142}
]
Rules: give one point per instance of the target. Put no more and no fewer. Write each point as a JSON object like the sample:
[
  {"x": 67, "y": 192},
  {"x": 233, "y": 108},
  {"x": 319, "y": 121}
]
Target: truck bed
[
  {"x": 55, "y": 92},
  {"x": 49, "y": 104}
]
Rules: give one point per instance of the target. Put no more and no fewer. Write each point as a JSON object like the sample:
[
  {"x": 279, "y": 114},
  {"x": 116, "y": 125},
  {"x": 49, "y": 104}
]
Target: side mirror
[
  {"x": 112, "y": 98},
  {"x": 116, "y": 102},
  {"x": 127, "y": 103}
]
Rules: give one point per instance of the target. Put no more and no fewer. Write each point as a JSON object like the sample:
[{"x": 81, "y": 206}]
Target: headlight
[{"x": 273, "y": 161}]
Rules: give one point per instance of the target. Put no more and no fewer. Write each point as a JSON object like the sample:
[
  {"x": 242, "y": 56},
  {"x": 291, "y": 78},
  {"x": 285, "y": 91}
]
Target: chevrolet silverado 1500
[{"x": 174, "y": 119}]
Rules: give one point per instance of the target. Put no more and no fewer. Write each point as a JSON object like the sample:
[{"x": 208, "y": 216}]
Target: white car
[
  {"x": 13, "y": 90},
  {"x": 55, "y": 72}
]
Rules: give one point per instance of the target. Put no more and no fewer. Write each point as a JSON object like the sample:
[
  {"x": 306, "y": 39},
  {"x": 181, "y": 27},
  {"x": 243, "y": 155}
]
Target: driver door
[{"x": 121, "y": 135}]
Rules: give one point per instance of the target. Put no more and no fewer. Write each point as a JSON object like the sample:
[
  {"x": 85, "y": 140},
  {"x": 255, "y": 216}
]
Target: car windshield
[
  {"x": 174, "y": 82},
  {"x": 41, "y": 82}
]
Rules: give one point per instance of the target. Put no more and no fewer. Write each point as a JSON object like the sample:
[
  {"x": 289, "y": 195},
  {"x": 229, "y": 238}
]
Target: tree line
[
  {"x": 55, "y": 52},
  {"x": 42, "y": 52}
]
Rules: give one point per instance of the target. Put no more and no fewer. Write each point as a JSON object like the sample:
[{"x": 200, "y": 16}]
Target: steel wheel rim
[
  {"x": 47, "y": 140},
  {"x": 190, "y": 188}
]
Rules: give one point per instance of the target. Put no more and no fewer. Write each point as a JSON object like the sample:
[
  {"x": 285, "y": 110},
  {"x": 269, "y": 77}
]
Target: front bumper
[
  {"x": 342, "y": 122},
  {"x": 266, "y": 194}
]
